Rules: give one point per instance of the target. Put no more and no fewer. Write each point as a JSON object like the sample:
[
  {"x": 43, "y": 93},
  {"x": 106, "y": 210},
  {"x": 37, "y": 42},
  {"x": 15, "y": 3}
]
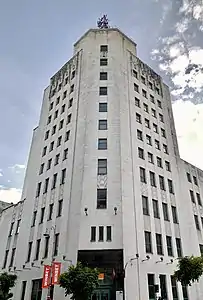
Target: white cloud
[
  {"x": 10, "y": 195},
  {"x": 17, "y": 168}
]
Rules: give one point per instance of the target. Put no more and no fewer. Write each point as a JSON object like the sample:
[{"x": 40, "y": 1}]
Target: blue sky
[{"x": 37, "y": 38}]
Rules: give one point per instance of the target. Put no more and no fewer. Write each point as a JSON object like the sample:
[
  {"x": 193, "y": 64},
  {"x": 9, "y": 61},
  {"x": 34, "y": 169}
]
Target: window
[
  {"x": 157, "y": 90},
  {"x": 161, "y": 118},
  {"x": 163, "y": 133},
  {"x": 148, "y": 139},
  {"x": 103, "y": 62},
  {"x": 185, "y": 292},
  {"x": 152, "y": 178},
  {"x": 108, "y": 233},
  {"x": 189, "y": 177},
  {"x": 49, "y": 164},
  {"x": 139, "y": 135},
  {"x": 64, "y": 94},
  {"x": 147, "y": 124},
  {"x": 44, "y": 151},
  {"x": 143, "y": 175},
  {"x": 150, "y": 158},
  {"x": 70, "y": 104},
  {"x": 69, "y": 119},
  {"x": 179, "y": 247},
  {"x": 59, "y": 141},
  {"x": 135, "y": 74},
  {"x": 146, "y": 109},
  {"x": 165, "y": 148},
  {"x": 163, "y": 286},
  {"x": 11, "y": 229},
  {"x": 41, "y": 169},
  {"x": 60, "y": 207},
  {"x": 102, "y": 167},
  {"x": 18, "y": 227},
  {"x": 192, "y": 197},
  {"x": 57, "y": 159},
  {"x": 162, "y": 183},
  {"x": 58, "y": 99},
  {"x": 51, "y": 206},
  {"x": 23, "y": 290},
  {"x": 155, "y": 208},
  {"x": 159, "y": 162},
  {"x": 143, "y": 80},
  {"x": 155, "y": 128},
  {"x": 36, "y": 293},
  {"x": 103, "y": 76},
  {"x": 199, "y": 199},
  {"x": 42, "y": 215},
  {"x": 150, "y": 85},
  {"x": 136, "y": 88},
  {"x": 93, "y": 234},
  {"x": 61, "y": 124},
  {"x": 201, "y": 249},
  {"x": 51, "y": 106},
  {"x": 56, "y": 114},
  {"x": 34, "y": 218},
  {"x": 5, "y": 259},
  {"x": 159, "y": 104},
  {"x": 102, "y": 124},
  {"x": 102, "y": 107},
  {"x": 103, "y": 90},
  {"x": 202, "y": 221},
  {"x": 152, "y": 98},
  {"x": 73, "y": 74},
  {"x": 196, "y": 222},
  {"x": 169, "y": 245},
  {"x": 153, "y": 112},
  {"x": 12, "y": 257},
  {"x": 53, "y": 130},
  {"x": 144, "y": 93},
  {"x": 138, "y": 118},
  {"x": 49, "y": 120},
  {"x": 53, "y": 92},
  {"x": 159, "y": 246},
  {"x": 137, "y": 102},
  {"x": 101, "y": 233},
  {"x": 148, "y": 242},
  {"x": 67, "y": 135},
  {"x": 168, "y": 166},
  {"x": 104, "y": 48},
  {"x": 72, "y": 88},
  {"x": 174, "y": 214},
  {"x": 65, "y": 154},
  {"x": 46, "y": 246},
  {"x": 195, "y": 180},
  {"x": 46, "y": 184},
  {"x": 157, "y": 144},
  {"x": 37, "y": 249},
  {"x": 51, "y": 147},
  {"x": 140, "y": 153},
  {"x": 145, "y": 205},
  {"x": 56, "y": 244},
  {"x": 170, "y": 186},
  {"x": 63, "y": 176},
  {"x": 38, "y": 189},
  {"x": 101, "y": 198},
  {"x": 151, "y": 286},
  {"x": 66, "y": 80},
  {"x": 102, "y": 144},
  {"x": 165, "y": 211}
]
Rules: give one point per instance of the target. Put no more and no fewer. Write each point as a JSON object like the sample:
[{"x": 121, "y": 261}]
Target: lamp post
[{"x": 52, "y": 259}]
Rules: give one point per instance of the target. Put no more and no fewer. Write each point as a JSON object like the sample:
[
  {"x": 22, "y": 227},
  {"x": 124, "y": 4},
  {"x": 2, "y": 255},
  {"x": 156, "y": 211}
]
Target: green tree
[
  {"x": 79, "y": 281},
  {"x": 190, "y": 269},
  {"x": 7, "y": 281}
]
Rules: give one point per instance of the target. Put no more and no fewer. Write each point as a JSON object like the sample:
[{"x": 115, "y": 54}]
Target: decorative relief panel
[
  {"x": 44, "y": 197},
  {"x": 154, "y": 193},
  {"x": 61, "y": 189},
  {"x": 163, "y": 196},
  {"x": 144, "y": 188},
  {"x": 52, "y": 197},
  {"x": 36, "y": 203},
  {"x": 102, "y": 181}
]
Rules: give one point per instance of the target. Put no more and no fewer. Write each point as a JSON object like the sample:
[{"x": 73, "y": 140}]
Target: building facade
[{"x": 105, "y": 183}]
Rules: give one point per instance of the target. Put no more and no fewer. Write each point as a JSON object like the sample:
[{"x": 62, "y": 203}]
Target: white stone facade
[{"x": 138, "y": 110}]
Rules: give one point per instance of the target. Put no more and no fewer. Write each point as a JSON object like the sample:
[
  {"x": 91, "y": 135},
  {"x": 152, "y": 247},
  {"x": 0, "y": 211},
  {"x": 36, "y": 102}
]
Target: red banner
[
  {"x": 46, "y": 277},
  {"x": 56, "y": 272}
]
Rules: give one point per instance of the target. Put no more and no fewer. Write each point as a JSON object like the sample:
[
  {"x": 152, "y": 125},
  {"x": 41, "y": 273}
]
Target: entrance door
[{"x": 101, "y": 294}]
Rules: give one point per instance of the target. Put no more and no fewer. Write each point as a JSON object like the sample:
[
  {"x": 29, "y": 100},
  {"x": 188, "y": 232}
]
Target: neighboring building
[
  {"x": 104, "y": 181},
  {"x": 3, "y": 205}
]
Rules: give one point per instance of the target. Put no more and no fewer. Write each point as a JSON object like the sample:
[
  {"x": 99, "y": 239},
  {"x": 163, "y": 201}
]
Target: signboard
[
  {"x": 46, "y": 277},
  {"x": 101, "y": 276},
  {"x": 56, "y": 272}
]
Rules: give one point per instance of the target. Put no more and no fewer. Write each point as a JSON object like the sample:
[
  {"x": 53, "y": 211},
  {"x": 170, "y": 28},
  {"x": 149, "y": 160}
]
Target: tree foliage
[
  {"x": 79, "y": 281},
  {"x": 190, "y": 269},
  {"x": 7, "y": 281}
]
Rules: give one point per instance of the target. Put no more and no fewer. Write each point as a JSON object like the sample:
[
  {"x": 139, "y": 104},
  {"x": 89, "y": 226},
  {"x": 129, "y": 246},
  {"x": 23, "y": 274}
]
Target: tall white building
[{"x": 105, "y": 184}]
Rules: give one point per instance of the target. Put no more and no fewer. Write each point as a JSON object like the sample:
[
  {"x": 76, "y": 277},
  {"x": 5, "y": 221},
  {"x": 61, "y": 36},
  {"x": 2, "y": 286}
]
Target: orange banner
[
  {"x": 46, "y": 277},
  {"x": 56, "y": 272}
]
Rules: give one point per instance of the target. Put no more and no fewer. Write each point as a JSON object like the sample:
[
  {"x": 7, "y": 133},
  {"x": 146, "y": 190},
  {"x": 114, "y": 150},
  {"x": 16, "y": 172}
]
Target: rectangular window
[
  {"x": 159, "y": 104},
  {"x": 195, "y": 180},
  {"x": 135, "y": 74},
  {"x": 61, "y": 124},
  {"x": 185, "y": 292},
  {"x": 179, "y": 247},
  {"x": 151, "y": 287},
  {"x": 152, "y": 179},
  {"x": 153, "y": 112},
  {"x": 93, "y": 234},
  {"x": 51, "y": 147},
  {"x": 146, "y": 109},
  {"x": 63, "y": 176},
  {"x": 157, "y": 144},
  {"x": 147, "y": 124},
  {"x": 174, "y": 214},
  {"x": 102, "y": 167},
  {"x": 189, "y": 177},
  {"x": 163, "y": 133},
  {"x": 201, "y": 249},
  {"x": 101, "y": 233},
  {"x": 70, "y": 103},
  {"x": 197, "y": 222},
  {"x": 165, "y": 211},
  {"x": 29, "y": 251},
  {"x": 103, "y": 62},
  {"x": 155, "y": 128},
  {"x": 148, "y": 140},
  {"x": 69, "y": 119},
  {"x": 102, "y": 107},
  {"x": 168, "y": 166},
  {"x": 53, "y": 130},
  {"x": 64, "y": 95},
  {"x": 169, "y": 245},
  {"x": 148, "y": 242},
  {"x": 155, "y": 208},
  {"x": 34, "y": 218},
  {"x": 199, "y": 199},
  {"x": 108, "y": 233},
  {"x": 72, "y": 88},
  {"x": 102, "y": 144},
  {"x": 51, "y": 106},
  {"x": 162, "y": 183},
  {"x": 143, "y": 175},
  {"x": 140, "y": 153},
  {"x": 150, "y": 85},
  {"x": 159, "y": 162},
  {"x": 159, "y": 246},
  {"x": 58, "y": 98},
  {"x": 56, "y": 244},
  {"x": 12, "y": 257},
  {"x": 136, "y": 88},
  {"x": 165, "y": 148},
  {"x": 139, "y": 135},
  {"x": 60, "y": 207},
  {"x": 65, "y": 154},
  {"x": 67, "y": 135},
  {"x": 23, "y": 290},
  {"x": 46, "y": 246},
  {"x": 143, "y": 80},
  {"x": 56, "y": 114},
  {"x": 137, "y": 102},
  {"x": 161, "y": 118},
  {"x": 103, "y": 76},
  {"x": 73, "y": 75},
  {"x": 138, "y": 118},
  {"x": 150, "y": 158},
  {"x": 104, "y": 48},
  {"x": 145, "y": 205},
  {"x": 102, "y": 124},
  {"x": 59, "y": 141},
  {"x": 192, "y": 197},
  {"x": 11, "y": 229},
  {"x": 51, "y": 206},
  {"x": 103, "y": 90},
  {"x": 36, "y": 293},
  {"x": 42, "y": 215},
  {"x": 46, "y": 135},
  {"x": 53, "y": 186},
  {"x": 37, "y": 249},
  {"x": 38, "y": 189},
  {"x": 170, "y": 186},
  {"x": 152, "y": 98},
  {"x": 41, "y": 170},
  {"x": 44, "y": 151},
  {"x": 163, "y": 286},
  {"x": 57, "y": 159},
  {"x": 5, "y": 259},
  {"x": 18, "y": 227},
  {"x": 49, "y": 164},
  {"x": 46, "y": 184},
  {"x": 144, "y": 93},
  {"x": 101, "y": 198}
]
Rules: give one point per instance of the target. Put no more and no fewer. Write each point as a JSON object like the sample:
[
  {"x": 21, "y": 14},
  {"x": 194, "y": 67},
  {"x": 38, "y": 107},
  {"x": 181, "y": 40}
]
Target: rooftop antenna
[{"x": 103, "y": 22}]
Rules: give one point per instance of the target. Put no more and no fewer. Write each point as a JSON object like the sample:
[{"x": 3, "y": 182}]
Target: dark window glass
[
  {"x": 104, "y": 48},
  {"x": 155, "y": 208},
  {"x": 29, "y": 251},
  {"x": 199, "y": 199},
  {"x": 174, "y": 214},
  {"x": 42, "y": 215},
  {"x": 101, "y": 233},
  {"x": 46, "y": 184},
  {"x": 170, "y": 186},
  {"x": 185, "y": 292},
  {"x": 189, "y": 177},
  {"x": 103, "y": 76},
  {"x": 197, "y": 222},
  {"x": 54, "y": 180},
  {"x": 192, "y": 197},
  {"x": 37, "y": 249},
  {"x": 145, "y": 205},
  {"x": 63, "y": 176},
  {"x": 152, "y": 179},
  {"x": 60, "y": 207},
  {"x": 103, "y": 62},
  {"x": 12, "y": 257},
  {"x": 102, "y": 107},
  {"x": 56, "y": 244},
  {"x": 143, "y": 175},
  {"x": 46, "y": 246},
  {"x": 102, "y": 124},
  {"x": 101, "y": 198},
  {"x": 163, "y": 287},
  {"x": 11, "y": 229},
  {"x": 38, "y": 189},
  {"x": 169, "y": 245},
  {"x": 165, "y": 211},
  {"x": 5, "y": 259},
  {"x": 102, "y": 166},
  {"x": 148, "y": 242},
  {"x": 159, "y": 246},
  {"x": 102, "y": 144},
  {"x": 51, "y": 206},
  {"x": 162, "y": 183},
  {"x": 93, "y": 234},
  {"x": 36, "y": 293},
  {"x": 34, "y": 218},
  {"x": 151, "y": 287},
  {"x": 103, "y": 90},
  {"x": 179, "y": 247},
  {"x": 108, "y": 233},
  {"x": 23, "y": 290}
]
